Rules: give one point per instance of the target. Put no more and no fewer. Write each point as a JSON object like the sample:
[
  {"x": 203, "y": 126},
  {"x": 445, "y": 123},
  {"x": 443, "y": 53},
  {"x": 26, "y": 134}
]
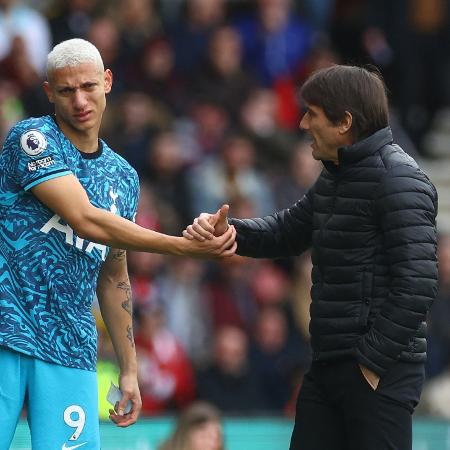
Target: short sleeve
[
  {"x": 34, "y": 154},
  {"x": 134, "y": 197}
]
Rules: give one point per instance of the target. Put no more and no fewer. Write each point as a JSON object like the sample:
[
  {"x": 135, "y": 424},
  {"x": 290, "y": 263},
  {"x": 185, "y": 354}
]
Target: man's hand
[
  {"x": 371, "y": 377},
  {"x": 129, "y": 386},
  {"x": 221, "y": 246},
  {"x": 206, "y": 226}
]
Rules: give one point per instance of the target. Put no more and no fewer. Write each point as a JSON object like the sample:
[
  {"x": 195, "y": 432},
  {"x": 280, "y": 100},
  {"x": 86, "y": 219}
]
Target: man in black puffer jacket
[{"x": 370, "y": 220}]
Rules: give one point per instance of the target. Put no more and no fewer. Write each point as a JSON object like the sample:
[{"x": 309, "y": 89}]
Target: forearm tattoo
[
  {"x": 119, "y": 255},
  {"x": 130, "y": 335},
  {"x": 126, "y": 305}
]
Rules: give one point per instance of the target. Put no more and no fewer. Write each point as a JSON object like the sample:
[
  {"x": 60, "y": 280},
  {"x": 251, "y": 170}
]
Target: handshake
[{"x": 210, "y": 235}]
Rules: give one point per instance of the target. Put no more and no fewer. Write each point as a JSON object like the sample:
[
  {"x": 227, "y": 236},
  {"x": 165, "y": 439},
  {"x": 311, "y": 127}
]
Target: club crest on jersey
[{"x": 33, "y": 142}]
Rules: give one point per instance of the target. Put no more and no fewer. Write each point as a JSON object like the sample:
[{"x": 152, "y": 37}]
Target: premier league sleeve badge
[{"x": 33, "y": 143}]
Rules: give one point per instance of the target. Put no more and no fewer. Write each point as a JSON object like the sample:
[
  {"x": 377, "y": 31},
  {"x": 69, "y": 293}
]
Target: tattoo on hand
[{"x": 130, "y": 335}]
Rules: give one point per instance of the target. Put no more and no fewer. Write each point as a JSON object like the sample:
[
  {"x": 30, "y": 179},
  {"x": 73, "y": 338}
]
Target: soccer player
[
  {"x": 67, "y": 202},
  {"x": 370, "y": 220}
]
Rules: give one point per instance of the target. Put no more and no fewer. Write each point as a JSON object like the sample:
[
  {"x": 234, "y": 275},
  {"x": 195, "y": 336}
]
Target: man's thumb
[{"x": 222, "y": 213}]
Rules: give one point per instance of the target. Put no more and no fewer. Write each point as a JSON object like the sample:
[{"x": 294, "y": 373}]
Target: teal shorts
[{"x": 61, "y": 403}]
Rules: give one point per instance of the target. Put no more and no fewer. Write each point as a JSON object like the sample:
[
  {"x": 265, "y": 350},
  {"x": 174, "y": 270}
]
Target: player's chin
[{"x": 84, "y": 126}]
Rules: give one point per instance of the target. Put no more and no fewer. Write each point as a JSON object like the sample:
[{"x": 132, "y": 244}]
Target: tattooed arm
[{"x": 114, "y": 296}]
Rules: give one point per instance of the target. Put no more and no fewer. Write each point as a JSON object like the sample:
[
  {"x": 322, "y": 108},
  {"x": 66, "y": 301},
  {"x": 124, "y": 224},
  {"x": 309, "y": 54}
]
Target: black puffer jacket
[{"x": 371, "y": 223}]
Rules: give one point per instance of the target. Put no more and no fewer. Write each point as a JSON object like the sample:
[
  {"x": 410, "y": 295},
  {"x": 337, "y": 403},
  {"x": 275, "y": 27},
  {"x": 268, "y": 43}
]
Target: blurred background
[{"x": 205, "y": 106}]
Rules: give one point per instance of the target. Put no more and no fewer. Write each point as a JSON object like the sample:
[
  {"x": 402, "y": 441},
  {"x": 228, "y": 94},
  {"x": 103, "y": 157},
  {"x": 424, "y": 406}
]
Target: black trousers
[{"x": 338, "y": 410}]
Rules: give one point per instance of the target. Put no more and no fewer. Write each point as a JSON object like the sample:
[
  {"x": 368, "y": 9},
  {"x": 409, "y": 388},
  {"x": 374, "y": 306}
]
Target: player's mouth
[{"x": 83, "y": 116}]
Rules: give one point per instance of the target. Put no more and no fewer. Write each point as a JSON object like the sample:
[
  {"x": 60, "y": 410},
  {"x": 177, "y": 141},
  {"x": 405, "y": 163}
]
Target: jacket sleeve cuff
[{"x": 370, "y": 364}]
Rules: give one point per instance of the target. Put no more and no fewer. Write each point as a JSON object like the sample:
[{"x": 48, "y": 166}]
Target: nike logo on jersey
[
  {"x": 71, "y": 447},
  {"x": 71, "y": 238}
]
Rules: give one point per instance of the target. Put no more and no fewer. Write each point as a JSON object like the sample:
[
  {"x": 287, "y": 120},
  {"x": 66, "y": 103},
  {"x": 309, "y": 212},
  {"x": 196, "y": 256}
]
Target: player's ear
[
  {"x": 48, "y": 91},
  {"x": 108, "y": 78}
]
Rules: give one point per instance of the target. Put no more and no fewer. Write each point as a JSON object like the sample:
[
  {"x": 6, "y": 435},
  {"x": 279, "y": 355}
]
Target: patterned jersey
[{"x": 48, "y": 275}]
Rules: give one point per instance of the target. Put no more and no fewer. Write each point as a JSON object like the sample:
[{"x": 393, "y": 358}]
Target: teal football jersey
[{"x": 48, "y": 274}]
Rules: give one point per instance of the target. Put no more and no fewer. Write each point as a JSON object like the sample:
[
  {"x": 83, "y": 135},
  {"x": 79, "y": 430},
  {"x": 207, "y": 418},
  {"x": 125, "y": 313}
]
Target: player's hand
[
  {"x": 129, "y": 386},
  {"x": 206, "y": 226},
  {"x": 371, "y": 377},
  {"x": 216, "y": 247}
]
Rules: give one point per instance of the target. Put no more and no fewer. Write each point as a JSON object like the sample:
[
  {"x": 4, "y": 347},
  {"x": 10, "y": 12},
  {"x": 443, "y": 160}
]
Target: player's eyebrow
[
  {"x": 89, "y": 83},
  {"x": 69, "y": 88}
]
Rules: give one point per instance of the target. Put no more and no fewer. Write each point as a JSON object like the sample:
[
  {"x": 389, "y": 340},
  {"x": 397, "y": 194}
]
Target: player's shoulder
[
  {"x": 43, "y": 124},
  {"x": 33, "y": 131},
  {"x": 33, "y": 134}
]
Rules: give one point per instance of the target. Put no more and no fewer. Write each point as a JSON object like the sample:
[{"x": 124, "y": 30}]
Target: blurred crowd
[{"x": 205, "y": 107}]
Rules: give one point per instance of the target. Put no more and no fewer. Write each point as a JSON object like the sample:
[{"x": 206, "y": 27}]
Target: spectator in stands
[
  {"x": 415, "y": 36},
  {"x": 165, "y": 374},
  {"x": 22, "y": 25},
  {"x": 222, "y": 75},
  {"x": 104, "y": 33},
  {"x": 199, "y": 427},
  {"x": 229, "y": 294},
  {"x": 203, "y": 128},
  {"x": 11, "y": 108},
  {"x": 186, "y": 307},
  {"x": 230, "y": 382},
  {"x": 303, "y": 172},
  {"x": 259, "y": 120},
  {"x": 155, "y": 74},
  {"x": 231, "y": 176},
  {"x": 165, "y": 172},
  {"x": 276, "y": 356},
  {"x": 191, "y": 33},
  {"x": 139, "y": 21},
  {"x": 71, "y": 19},
  {"x": 275, "y": 40},
  {"x": 132, "y": 124}
]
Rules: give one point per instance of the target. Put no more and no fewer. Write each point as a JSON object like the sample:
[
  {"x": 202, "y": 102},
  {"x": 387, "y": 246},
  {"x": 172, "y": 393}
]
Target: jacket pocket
[{"x": 366, "y": 297}]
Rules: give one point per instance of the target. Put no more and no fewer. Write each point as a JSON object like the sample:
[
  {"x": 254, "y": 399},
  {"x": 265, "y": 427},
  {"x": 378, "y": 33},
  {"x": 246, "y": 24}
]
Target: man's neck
[{"x": 85, "y": 141}]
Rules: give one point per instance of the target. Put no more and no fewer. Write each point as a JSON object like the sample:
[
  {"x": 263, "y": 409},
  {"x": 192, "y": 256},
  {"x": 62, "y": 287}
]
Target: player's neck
[
  {"x": 84, "y": 143},
  {"x": 84, "y": 140}
]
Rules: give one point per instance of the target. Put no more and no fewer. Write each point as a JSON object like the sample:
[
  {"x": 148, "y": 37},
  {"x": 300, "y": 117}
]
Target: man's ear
[
  {"x": 48, "y": 91},
  {"x": 346, "y": 123},
  {"x": 108, "y": 81}
]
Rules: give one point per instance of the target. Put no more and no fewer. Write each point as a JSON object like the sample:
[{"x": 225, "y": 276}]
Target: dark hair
[{"x": 358, "y": 90}]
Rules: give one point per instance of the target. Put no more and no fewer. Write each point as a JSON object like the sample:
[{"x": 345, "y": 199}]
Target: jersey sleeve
[
  {"x": 134, "y": 193},
  {"x": 34, "y": 154}
]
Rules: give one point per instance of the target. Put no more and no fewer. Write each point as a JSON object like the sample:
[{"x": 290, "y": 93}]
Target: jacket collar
[{"x": 353, "y": 153}]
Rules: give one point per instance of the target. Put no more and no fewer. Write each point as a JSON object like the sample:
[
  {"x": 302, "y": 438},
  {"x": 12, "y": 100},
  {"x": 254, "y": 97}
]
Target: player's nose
[{"x": 79, "y": 99}]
